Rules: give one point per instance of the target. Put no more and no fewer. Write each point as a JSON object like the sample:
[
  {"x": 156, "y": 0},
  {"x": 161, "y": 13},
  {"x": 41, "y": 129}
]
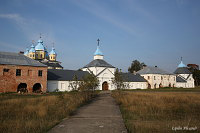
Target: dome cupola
[
  {"x": 98, "y": 54},
  {"x": 40, "y": 45},
  {"x": 32, "y": 50},
  {"x": 181, "y": 64}
]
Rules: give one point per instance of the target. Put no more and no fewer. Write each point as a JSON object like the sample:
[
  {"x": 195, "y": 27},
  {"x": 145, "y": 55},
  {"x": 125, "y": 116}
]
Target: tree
[
  {"x": 90, "y": 82},
  {"x": 196, "y": 76},
  {"x": 118, "y": 80},
  {"x": 74, "y": 84},
  {"x": 136, "y": 66}
]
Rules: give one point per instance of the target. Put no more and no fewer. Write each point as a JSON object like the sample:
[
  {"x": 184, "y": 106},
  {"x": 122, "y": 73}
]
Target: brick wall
[{"x": 9, "y": 81}]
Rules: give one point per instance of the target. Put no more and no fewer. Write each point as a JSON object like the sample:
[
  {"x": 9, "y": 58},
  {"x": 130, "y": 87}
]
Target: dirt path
[{"x": 100, "y": 116}]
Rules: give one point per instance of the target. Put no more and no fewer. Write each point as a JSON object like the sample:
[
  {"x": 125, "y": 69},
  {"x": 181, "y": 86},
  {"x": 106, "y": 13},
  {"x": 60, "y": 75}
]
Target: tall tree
[
  {"x": 118, "y": 80},
  {"x": 196, "y": 76},
  {"x": 74, "y": 84},
  {"x": 136, "y": 66},
  {"x": 90, "y": 82}
]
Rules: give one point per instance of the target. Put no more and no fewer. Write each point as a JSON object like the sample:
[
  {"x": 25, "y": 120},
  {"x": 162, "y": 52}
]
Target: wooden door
[{"x": 105, "y": 86}]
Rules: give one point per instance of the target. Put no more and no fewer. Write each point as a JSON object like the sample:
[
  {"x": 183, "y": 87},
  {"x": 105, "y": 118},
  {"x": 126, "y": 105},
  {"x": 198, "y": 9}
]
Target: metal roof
[
  {"x": 52, "y": 64},
  {"x": 179, "y": 79},
  {"x": 40, "y": 45},
  {"x": 182, "y": 70},
  {"x": 53, "y": 51},
  {"x": 8, "y": 58},
  {"x": 181, "y": 64},
  {"x": 98, "y": 63},
  {"x": 152, "y": 70},
  {"x": 98, "y": 51},
  {"x": 129, "y": 77},
  {"x": 65, "y": 75}
]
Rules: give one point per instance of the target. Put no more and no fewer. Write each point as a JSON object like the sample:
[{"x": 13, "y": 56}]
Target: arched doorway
[
  {"x": 105, "y": 86},
  {"x": 155, "y": 86},
  {"x": 170, "y": 85},
  {"x": 149, "y": 86},
  {"x": 22, "y": 88},
  {"x": 37, "y": 88},
  {"x": 160, "y": 85}
]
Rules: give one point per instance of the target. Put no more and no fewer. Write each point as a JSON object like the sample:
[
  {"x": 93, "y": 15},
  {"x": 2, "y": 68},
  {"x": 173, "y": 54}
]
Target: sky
[{"x": 156, "y": 32}]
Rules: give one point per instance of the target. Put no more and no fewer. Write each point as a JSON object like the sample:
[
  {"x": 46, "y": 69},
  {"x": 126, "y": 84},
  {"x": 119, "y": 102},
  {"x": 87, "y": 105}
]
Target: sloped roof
[
  {"x": 152, "y": 70},
  {"x": 179, "y": 79},
  {"x": 8, "y": 58},
  {"x": 182, "y": 70},
  {"x": 65, "y": 75},
  {"x": 52, "y": 64},
  {"x": 40, "y": 45},
  {"x": 98, "y": 63},
  {"x": 98, "y": 51},
  {"x": 129, "y": 77}
]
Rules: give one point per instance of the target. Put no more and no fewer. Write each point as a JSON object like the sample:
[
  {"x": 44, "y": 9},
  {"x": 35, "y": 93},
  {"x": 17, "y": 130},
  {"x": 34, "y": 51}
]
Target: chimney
[{"x": 21, "y": 52}]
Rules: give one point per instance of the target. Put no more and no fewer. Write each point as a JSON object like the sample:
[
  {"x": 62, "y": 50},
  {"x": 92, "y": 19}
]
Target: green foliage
[
  {"x": 196, "y": 76},
  {"x": 135, "y": 66},
  {"x": 118, "y": 80},
  {"x": 90, "y": 82},
  {"x": 74, "y": 84}
]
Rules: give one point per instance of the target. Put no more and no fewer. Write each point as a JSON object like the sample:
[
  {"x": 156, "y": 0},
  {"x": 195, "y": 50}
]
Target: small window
[
  {"x": 148, "y": 77},
  {"x": 40, "y": 73},
  {"x": 161, "y": 78},
  {"x": 41, "y": 55},
  {"x": 30, "y": 55},
  {"x": 154, "y": 77},
  {"x": 18, "y": 72},
  {"x": 33, "y": 55},
  {"x": 5, "y": 70}
]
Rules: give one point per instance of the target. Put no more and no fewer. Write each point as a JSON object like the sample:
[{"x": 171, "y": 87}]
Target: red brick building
[{"x": 18, "y": 72}]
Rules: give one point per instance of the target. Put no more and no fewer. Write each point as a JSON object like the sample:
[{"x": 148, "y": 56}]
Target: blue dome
[
  {"x": 32, "y": 50},
  {"x": 53, "y": 51},
  {"x": 98, "y": 51},
  {"x": 181, "y": 64},
  {"x": 40, "y": 45},
  {"x": 27, "y": 51}
]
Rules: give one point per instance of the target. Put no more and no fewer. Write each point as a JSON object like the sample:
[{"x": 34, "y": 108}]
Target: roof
[
  {"x": 40, "y": 45},
  {"x": 53, "y": 51},
  {"x": 27, "y": 51},
  {"x": 52, "y": 64},
  {"x": 8, "y": 58},
  {"x": 182, "y": 70},
  {"x": 65, "y": 75},
  {"x": 32, "y": 49},
  {"x": 152, "y": 70},
  {"x": 129, "y": 77},
  {"x": 98, "y": 51},
  {"x": 179, "y": 79},
  {"x": 98, "y": 63},
  {"x": 181, "y": 64}
]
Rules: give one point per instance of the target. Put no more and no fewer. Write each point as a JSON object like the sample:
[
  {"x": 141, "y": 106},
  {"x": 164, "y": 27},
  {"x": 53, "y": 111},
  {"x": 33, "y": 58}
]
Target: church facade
[{"x": 40, "y": 53}]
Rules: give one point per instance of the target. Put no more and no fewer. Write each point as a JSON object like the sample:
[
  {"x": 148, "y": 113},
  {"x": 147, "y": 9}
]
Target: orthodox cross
[{"x": 98, "y": 42}]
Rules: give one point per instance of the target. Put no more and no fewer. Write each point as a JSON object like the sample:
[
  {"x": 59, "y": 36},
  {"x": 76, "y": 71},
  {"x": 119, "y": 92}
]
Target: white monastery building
[{"x": 147, "y": 78}]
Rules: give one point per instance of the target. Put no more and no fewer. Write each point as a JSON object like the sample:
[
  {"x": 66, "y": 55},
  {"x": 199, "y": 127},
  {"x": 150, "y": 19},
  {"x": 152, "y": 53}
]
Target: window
[
  {"x": 5, "y": 70},
  {"x": 148, "y": 77},
  {"x": 40, "y": 73},
  {"x": 154, "y": 77},
  {"x": 18, "y": 72},
  {"x": 161, "y": 78},
  {"x": 33, "y": 55},
  {"x": 41, "y": 55}
]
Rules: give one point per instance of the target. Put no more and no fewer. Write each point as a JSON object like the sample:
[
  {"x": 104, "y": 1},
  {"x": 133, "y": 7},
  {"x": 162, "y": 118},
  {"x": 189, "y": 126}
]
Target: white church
[{"x": 147, "y": 78}]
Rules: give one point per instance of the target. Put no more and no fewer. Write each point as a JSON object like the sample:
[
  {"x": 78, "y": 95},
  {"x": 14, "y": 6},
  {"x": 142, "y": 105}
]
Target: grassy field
[
  {"x": 158, "y": 111},
  {"x": 38, "y": 113}
]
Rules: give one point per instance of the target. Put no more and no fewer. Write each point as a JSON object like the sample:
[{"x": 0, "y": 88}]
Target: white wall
[{"x": 156, "y": 79}]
